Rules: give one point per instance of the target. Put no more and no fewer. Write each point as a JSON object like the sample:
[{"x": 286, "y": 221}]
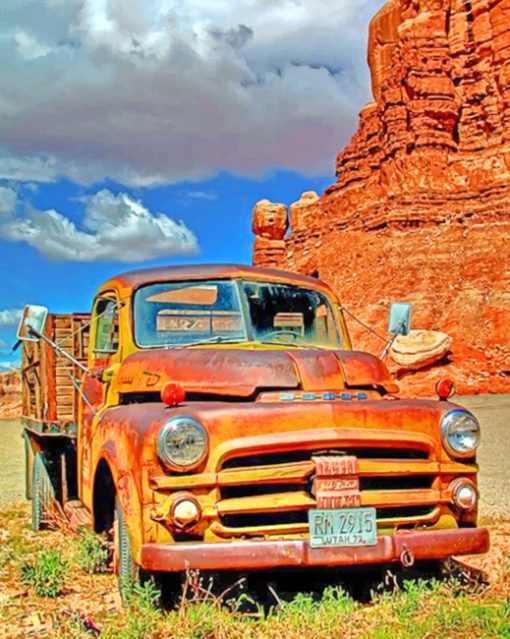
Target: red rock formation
[
  {"x": 270, "y": 224},
  {"x": 10, "y": 395},
  {"x": 420, "y": 210}
]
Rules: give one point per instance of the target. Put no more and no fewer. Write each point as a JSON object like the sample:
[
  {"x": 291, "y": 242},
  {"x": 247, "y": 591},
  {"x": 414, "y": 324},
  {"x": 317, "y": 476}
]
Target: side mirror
[
  {"x": 32, "y": 323},
  {"x": 400, "y": 319}
]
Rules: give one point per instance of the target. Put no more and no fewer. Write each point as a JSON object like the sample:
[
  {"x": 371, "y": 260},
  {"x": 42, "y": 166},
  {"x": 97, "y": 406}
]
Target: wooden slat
[{"x": 47, "y": 392}]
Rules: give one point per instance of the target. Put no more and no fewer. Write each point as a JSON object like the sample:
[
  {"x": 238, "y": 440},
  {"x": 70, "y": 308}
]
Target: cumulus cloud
[
  {"x": 8, "y": 199},
  {"x": 10, "y": 317},
  {"x": 151, "y": 91},
  {"x": 115, "y": 228},
  {"x": 7, "y": 366},
  {"x": 29, "y": 47}
]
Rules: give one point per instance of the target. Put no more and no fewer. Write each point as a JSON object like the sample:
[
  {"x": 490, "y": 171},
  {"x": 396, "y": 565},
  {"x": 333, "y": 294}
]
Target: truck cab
[{"x": 224, "y": 422}]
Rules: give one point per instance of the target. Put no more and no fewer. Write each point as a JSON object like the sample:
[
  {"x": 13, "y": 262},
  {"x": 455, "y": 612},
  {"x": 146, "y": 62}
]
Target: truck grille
[
  {"x": 271, "y": 493},
  {"x": 270, "y": 459},
  {"x": 301, "y": 517},
  {"x": 404, "y": 482}
]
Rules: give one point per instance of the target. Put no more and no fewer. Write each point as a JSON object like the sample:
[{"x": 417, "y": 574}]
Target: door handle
[{"x": 109, "y": 373}]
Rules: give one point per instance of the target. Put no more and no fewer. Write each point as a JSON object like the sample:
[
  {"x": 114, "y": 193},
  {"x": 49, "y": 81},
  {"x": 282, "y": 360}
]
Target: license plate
[{"x": 343, "y": 527}]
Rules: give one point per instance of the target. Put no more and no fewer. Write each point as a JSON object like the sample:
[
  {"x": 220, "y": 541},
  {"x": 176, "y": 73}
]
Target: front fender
[{"x": 127, "y": 489}]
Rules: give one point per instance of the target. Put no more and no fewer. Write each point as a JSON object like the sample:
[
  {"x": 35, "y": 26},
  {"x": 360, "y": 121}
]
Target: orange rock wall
[
  {"x": 10, "y": 395},
  {"x": 420, "y": 210}
]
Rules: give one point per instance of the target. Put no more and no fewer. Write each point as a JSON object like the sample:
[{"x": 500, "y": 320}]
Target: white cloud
[
  {"x": 29, "y": 47},
  {"x": 201, "y": 195},
  {"x": 9, "y": 366},
  {"x": 8, "y": 198},
  {"x": 10, "y": 317},
  {"x": 151, "y": 91},
  {"x": 115, "y": 228}
]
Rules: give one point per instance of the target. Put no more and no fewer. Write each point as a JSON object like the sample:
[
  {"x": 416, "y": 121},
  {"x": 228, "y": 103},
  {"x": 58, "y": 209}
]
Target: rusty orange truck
[{"x": 217, "y": 418}]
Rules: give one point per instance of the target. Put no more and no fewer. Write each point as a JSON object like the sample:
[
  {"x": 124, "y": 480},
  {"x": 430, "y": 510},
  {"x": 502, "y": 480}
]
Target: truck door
[{"x": 104, "y": 353}]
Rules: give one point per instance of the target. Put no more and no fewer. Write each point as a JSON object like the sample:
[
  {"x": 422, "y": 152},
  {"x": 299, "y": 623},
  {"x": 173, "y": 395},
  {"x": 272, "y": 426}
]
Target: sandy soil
[
  {"x": 12, "y": 462},
  {"x": 493, "y": 412}
]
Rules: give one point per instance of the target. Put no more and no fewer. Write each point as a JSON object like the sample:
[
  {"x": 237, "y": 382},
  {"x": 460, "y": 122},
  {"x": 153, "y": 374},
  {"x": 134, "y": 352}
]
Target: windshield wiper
[
  {"x": 294, "y": 344},
  {"x": 279, "y": 343},
  {"x": 216, "y": 339}
]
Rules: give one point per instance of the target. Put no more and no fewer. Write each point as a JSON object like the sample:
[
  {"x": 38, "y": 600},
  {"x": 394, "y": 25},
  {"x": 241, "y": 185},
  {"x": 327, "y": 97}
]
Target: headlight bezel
[
  {"x": 447, "y": 425},
  {"x": 171, "y": 426}
]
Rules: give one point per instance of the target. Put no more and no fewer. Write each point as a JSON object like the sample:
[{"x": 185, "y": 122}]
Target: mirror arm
[
  {"x": 391, "y": 341},
  {"x": 388, "y": 346},
  {"x": 59, "y": 350},
  {"x": 76, "y": 385}
]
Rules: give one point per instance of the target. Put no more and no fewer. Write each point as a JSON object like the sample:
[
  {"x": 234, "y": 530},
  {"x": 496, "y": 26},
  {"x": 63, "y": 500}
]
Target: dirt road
[
  {"x": 12, "y": 461},
  {"x": 493, "y": 411}
]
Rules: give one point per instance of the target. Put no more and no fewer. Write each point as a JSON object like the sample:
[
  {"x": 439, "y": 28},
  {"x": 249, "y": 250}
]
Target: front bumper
[{"x": 261, "y": 555}]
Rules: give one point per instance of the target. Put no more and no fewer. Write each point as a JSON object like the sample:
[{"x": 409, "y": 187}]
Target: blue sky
[{"x": 142, "y": 132}]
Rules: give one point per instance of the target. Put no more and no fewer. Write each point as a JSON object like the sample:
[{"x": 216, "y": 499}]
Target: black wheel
[
  {"x": 43, "y": 495},
  {"x": 128, "y": 572},
  {"x": 29, "y": 462}
]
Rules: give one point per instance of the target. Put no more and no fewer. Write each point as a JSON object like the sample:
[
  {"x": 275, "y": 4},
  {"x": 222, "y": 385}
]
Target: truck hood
[{"x": 241, "y": 373}]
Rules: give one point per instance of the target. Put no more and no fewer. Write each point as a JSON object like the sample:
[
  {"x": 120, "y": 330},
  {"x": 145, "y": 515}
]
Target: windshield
[{"x": 177, "y": 314}]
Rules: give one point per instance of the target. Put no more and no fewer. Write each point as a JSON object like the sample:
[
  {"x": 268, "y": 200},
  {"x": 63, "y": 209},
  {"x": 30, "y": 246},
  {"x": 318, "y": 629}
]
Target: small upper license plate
[{"x": 343, "y": 527}]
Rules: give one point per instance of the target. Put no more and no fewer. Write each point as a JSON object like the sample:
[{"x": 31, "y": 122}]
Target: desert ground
[{"x": 477, "y": 605}]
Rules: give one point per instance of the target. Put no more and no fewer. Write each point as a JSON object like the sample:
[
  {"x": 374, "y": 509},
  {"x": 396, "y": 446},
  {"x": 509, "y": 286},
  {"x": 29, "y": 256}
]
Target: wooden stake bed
[{"x": 50, "y": 400}]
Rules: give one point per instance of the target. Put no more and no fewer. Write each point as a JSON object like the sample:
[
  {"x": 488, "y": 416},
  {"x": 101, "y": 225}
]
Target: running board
[{"x": 78, "y": 515}]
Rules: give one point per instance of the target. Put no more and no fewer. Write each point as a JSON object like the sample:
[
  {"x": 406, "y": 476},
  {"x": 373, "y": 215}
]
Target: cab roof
[{"x": 134, "y": 279}]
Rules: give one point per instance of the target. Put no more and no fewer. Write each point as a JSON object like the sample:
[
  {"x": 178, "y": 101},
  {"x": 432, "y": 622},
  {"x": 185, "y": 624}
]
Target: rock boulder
[{"x": 420, "y": 349}]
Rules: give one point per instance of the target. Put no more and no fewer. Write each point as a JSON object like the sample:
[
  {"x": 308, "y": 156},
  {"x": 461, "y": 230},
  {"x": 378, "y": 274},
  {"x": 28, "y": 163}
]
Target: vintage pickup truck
[{"x": 217, "y": 418}]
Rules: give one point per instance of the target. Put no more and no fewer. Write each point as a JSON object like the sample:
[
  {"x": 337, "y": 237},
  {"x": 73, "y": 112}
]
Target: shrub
[
  {"x": 142, "y": 617},
  {"x": 92, "y": 552},
  {"x": 46, "y": 575}
]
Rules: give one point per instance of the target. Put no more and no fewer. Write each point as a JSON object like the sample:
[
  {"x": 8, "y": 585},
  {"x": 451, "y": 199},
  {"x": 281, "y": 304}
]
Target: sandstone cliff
[
  {"x": 10, "y": 395},
  {"x": 420, "y": 210}
]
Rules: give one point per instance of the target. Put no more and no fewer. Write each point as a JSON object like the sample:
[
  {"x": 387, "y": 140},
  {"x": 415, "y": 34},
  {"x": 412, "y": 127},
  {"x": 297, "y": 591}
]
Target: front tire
[
  {"x": 128, "y": 573},
  {"x": 43, "y": 495}
]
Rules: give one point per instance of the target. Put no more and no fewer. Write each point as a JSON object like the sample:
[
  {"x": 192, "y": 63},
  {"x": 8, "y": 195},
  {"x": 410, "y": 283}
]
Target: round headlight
[
  {"x": 464, "y": 495},
  {"x": 182, "y": 443},
  {"x": 461, "y": 433}
]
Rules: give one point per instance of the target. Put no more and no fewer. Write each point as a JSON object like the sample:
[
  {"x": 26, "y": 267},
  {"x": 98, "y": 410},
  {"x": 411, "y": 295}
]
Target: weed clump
[
  {"x": 46, "y": 574},
  {"x": 92, "y": 552},
  {"x": 142, "y": 616}
]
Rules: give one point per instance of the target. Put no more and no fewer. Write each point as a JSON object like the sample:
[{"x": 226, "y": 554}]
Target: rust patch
[{"x": 336, "y": 483}]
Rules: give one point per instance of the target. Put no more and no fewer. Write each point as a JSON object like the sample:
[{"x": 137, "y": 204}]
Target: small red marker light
[
  {"x": 173, "y": 394},
  {"x": 445, "y": 388}
]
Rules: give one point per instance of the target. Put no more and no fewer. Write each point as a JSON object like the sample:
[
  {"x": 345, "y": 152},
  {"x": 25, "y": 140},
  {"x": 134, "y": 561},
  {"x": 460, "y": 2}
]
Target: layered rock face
[
  {"x": 10, "y": 395},
  {"x": 420, "y": 210}
]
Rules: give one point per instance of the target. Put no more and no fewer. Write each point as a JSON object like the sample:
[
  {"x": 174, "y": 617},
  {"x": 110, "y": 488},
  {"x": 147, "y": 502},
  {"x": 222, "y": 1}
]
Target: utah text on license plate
[{"x": 343, "y": 527}]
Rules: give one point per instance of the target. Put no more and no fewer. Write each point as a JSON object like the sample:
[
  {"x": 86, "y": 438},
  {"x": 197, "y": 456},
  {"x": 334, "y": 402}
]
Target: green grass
[
  {"x": 419, "y": 609},
  {"x": 91, "y": 552},
  {"x": 63, "y": 570},
  {"x": 142, "y": 616},
  {"x": 46, "y": 574}
]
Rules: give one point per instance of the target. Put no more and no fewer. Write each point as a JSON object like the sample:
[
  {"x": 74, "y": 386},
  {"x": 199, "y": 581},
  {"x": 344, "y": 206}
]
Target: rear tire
[
  {"x": 43, "y": 495},
  {"x": 29, "y": 463}
]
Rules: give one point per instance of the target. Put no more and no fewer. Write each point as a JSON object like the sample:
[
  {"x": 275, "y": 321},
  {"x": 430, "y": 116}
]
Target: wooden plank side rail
[{"x": 48, "y": 393}]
